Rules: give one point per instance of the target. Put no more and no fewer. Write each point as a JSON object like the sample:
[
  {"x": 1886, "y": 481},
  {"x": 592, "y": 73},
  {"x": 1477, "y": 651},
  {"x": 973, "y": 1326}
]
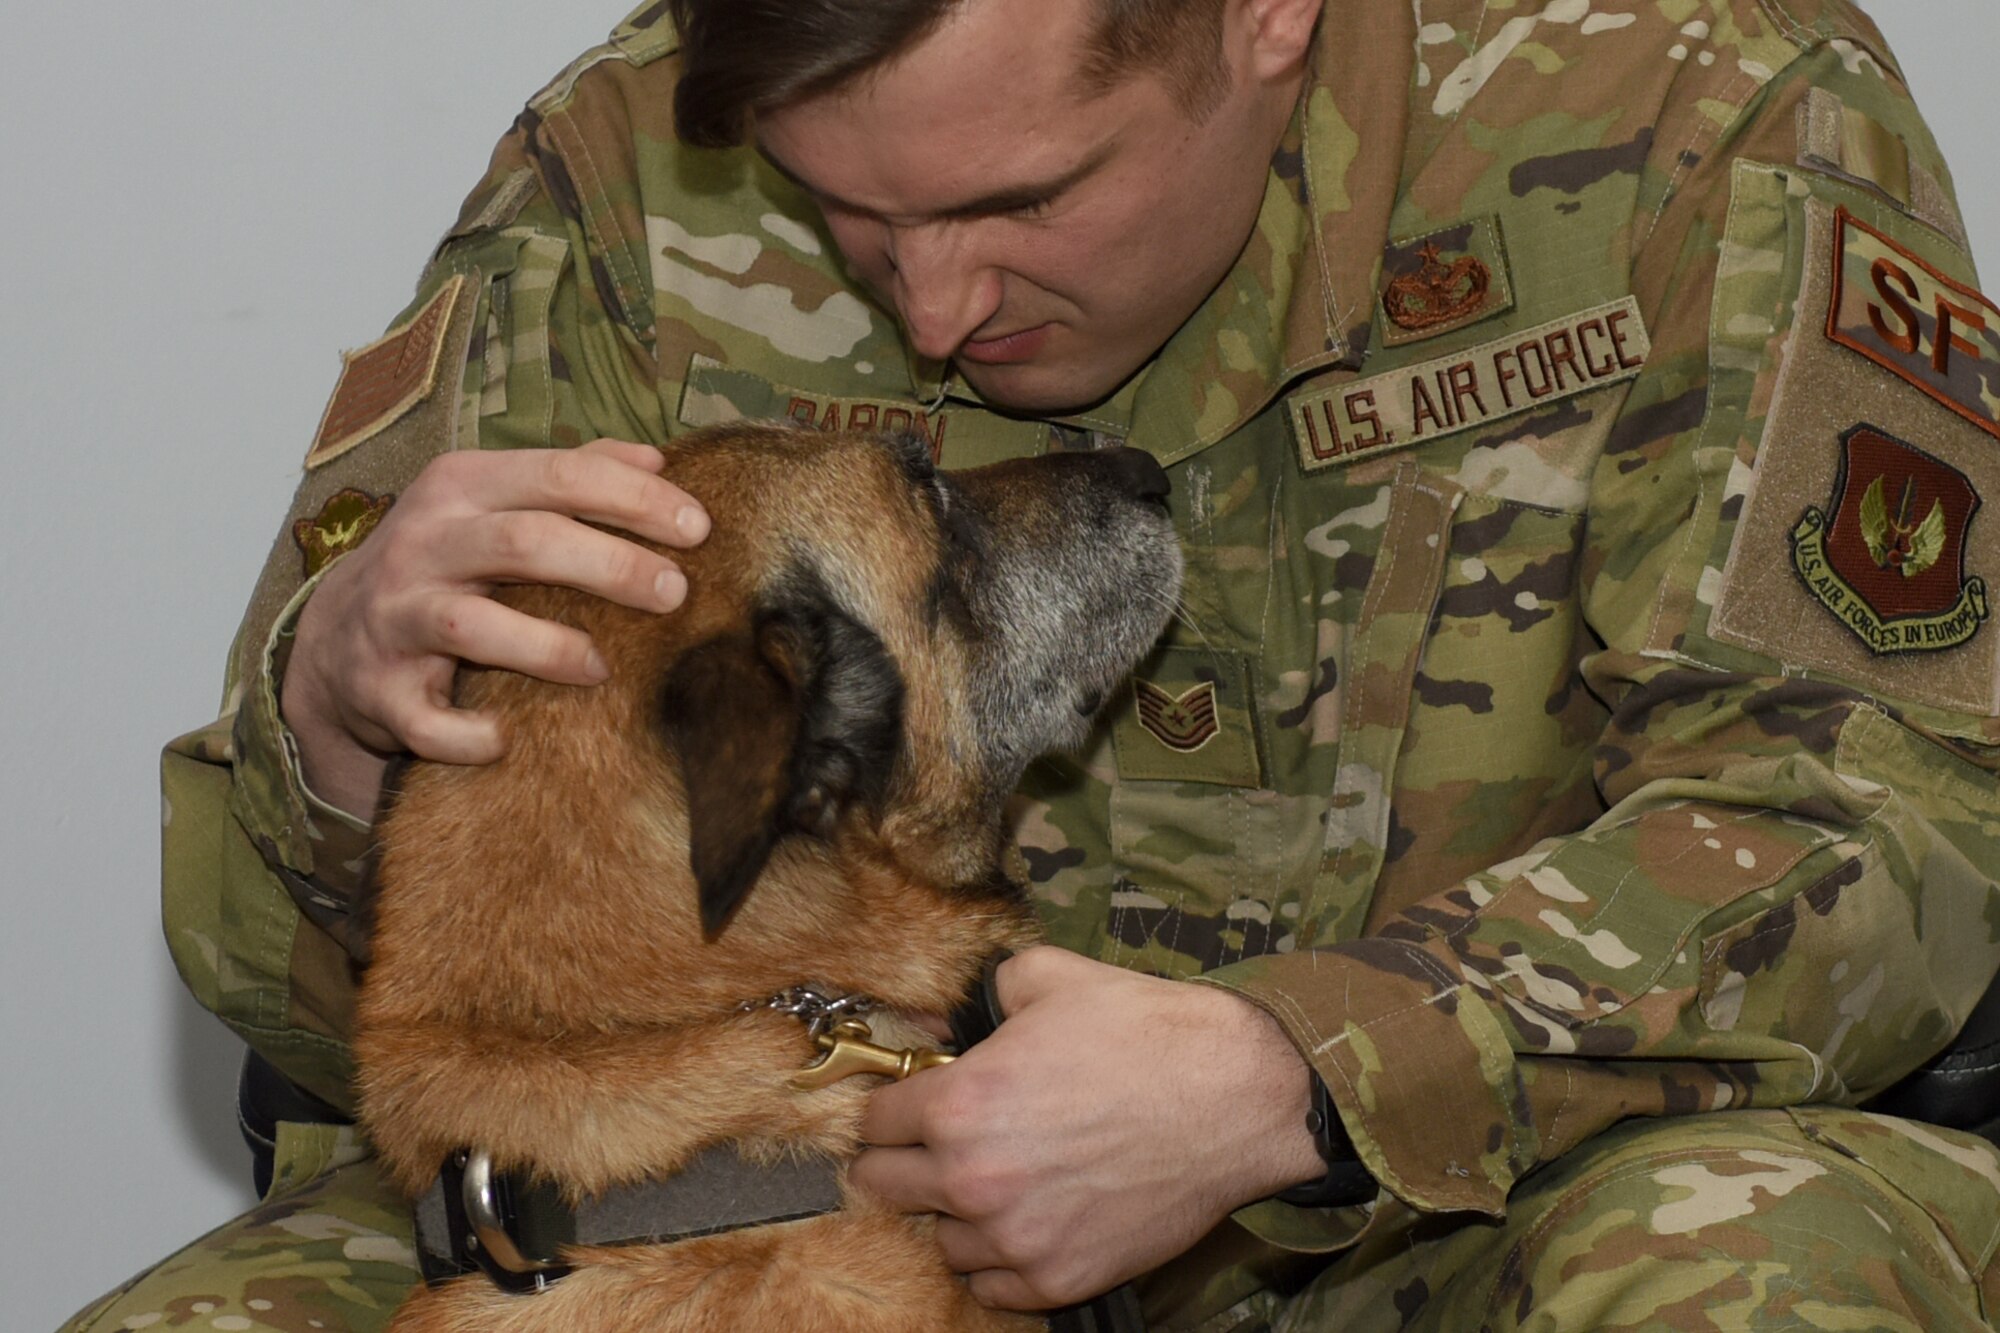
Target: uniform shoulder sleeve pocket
[{"x": 1856, "y": 373}]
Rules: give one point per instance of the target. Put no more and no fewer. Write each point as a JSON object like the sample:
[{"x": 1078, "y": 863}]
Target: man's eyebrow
[{"x": 1006, "y": 200}]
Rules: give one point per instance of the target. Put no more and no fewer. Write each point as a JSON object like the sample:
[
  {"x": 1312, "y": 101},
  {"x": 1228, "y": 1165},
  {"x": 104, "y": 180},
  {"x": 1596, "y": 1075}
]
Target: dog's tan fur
[{"x": 541, "y": 985}]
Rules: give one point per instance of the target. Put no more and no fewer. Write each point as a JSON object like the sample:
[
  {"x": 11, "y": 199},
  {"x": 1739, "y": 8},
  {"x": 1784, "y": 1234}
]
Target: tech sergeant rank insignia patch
[{"x": 1888, "y": 560}]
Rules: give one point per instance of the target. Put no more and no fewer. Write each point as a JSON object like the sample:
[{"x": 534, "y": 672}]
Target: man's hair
[{"x": 739, "y": 57}]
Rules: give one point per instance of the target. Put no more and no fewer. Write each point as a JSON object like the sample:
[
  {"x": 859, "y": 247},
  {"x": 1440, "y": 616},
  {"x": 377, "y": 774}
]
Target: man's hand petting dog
[
  {"x": 378, "y": 642},
  {"x": 1106, "y": 1126}
]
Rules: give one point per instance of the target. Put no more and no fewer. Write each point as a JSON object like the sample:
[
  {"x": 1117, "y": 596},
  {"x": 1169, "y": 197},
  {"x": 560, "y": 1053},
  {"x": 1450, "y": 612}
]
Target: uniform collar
[{"x": 1301, "y": 296}]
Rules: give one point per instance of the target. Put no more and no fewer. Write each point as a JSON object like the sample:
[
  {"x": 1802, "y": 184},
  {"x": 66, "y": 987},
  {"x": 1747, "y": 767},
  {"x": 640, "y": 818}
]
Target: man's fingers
[
  {"x": 895, "y": 1113},
  {"x": 480, "y": 630},
  {"x": 904, "y": 1178},
  {"x": 587, "y": 483},
  {"x": 966, "y": 1247},
  {"x": 534, "y": 546},
  {"x": 1029, "y": 974},
  {"x": 629, "y": 452},
  {"x": 448, "y": 735},
  {"x": 1004, "y": 1289}
]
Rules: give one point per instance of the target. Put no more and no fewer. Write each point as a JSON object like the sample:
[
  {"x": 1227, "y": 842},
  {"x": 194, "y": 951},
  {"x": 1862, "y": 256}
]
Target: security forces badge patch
[
  {"x": 342, "y": 524},
  {"x": 1887, "y": 556},
  {"x": 1444, "y": 280}
]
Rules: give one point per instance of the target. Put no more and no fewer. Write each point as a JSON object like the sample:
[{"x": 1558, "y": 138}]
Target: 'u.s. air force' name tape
[{"x": 1483, "y": 384}]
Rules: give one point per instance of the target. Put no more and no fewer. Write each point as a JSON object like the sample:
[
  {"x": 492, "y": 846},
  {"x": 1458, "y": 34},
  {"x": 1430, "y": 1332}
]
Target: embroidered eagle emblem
[
  {"x": 342, "y": 524},
  {"x": 1896, "y": 543},
  {"x": 1183, "y": 722}
]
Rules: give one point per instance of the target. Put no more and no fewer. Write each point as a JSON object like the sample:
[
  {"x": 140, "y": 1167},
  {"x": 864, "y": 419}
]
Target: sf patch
[
  {"x": 1887, "y": 555},
  {"x": 342, "y": 524},
  {"x": 1851, "y": 539},
  {"x": 1914, "y": 321}
]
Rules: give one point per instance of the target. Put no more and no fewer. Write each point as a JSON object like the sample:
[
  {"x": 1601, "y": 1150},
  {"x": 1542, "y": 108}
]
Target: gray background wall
[{"x": 204, "y": 202}]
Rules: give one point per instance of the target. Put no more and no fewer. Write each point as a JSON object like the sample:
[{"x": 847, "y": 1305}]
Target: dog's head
[
  {"x": 872, "y": 643},
  {"x": 796, "y": 777}
]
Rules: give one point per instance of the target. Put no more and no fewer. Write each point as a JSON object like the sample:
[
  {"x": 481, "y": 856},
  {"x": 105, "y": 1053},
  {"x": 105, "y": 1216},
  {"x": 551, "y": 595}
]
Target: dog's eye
[
  {"x": 913, "y": 455},
  {"x": 964, "y": 537}
]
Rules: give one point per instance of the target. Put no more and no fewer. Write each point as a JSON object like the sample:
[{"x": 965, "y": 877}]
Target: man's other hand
[
  {"x": 1109, "y": 1123},
  {"x": 379, "y": 640}
]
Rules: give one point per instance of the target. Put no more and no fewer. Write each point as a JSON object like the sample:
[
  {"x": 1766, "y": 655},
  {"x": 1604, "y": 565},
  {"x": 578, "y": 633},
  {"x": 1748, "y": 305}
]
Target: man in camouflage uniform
[{"x": 1579, "y": 742}]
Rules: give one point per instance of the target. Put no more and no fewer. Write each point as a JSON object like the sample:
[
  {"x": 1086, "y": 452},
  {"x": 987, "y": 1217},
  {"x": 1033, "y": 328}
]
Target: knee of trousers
[
  {"x": 334, "y": 1255},
  {"x": 1755, "y": 1220}
]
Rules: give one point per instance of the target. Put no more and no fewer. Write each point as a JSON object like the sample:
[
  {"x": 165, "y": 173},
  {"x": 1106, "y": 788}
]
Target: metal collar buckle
[{"x": 494, "y": 1205}]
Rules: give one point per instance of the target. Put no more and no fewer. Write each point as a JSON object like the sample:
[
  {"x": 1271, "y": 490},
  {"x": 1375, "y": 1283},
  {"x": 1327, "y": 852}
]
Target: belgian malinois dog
[{"x": 601, "y": 964}]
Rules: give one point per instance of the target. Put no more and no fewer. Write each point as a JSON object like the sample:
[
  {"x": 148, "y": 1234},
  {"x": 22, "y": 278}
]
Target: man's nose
[{"x": 943, "y": 293}]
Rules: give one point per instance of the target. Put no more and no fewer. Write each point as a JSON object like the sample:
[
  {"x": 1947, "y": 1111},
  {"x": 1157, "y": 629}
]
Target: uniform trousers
[{"x": 1812, "y": 1219}]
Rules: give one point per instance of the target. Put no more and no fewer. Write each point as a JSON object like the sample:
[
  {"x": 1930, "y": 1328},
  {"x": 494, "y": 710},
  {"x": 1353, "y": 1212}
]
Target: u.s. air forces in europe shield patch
[{"x": 1888, "y": 554}]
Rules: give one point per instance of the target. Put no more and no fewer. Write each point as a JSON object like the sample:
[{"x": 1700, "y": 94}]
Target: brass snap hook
[{"x": 850, "y": 1051}]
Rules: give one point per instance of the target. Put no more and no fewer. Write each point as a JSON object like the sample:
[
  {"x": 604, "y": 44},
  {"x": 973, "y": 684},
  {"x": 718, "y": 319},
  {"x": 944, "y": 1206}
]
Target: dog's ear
[
  {"x": 851, "y": 715},
  {"x": 782, "y": 729},
  {"x": 733, "y": 721}
]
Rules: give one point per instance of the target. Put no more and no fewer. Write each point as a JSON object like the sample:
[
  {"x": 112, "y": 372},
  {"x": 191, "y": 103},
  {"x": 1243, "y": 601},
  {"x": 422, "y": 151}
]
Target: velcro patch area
[
  {"x": 1518, "y": 373},
  {"x": 1191, "y": 719},
  {"x": 1863, "y": 548},
  {"x": 381, "y": 382}
]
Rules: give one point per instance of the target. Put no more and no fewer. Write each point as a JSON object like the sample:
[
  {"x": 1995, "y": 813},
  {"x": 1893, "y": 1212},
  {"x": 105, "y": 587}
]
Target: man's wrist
[
  {"x": 1311, "y": 1162},
  {"x": 1283, "y": 1088}
]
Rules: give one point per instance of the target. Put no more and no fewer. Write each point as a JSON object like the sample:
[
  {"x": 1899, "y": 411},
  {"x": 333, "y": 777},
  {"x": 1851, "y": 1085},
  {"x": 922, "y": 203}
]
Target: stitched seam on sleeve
[
  {"x": 1708, "y": 130},
  {"x": 1788, "y": 24},
  {"x": 1568, "y": 947},
  {"x": 1694, "y": 526},
  {"x": 576, "y": 156}
]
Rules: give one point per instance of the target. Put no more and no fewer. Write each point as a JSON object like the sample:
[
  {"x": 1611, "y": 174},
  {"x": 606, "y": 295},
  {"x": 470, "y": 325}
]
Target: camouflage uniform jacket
[{"x": 1557, "y": 731}]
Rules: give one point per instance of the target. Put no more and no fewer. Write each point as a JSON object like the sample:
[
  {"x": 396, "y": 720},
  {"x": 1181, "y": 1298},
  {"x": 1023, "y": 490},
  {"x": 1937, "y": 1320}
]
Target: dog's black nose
[{"x": 1139, "y": 473}]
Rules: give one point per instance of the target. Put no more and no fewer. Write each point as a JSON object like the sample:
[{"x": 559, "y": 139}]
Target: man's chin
[{"x": 1040, "y": 390}]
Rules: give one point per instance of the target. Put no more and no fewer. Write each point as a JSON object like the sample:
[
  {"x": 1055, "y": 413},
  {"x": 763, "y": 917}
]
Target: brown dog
[{"x": 797, "y": 778}]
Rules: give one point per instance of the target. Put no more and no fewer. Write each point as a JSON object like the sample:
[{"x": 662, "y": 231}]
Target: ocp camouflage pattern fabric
[{"x": 1501, "y": 753}]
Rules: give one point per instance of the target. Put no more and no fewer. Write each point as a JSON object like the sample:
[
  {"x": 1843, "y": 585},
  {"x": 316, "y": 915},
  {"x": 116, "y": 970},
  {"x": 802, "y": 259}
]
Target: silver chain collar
[{"x": 813, "y": 1007}]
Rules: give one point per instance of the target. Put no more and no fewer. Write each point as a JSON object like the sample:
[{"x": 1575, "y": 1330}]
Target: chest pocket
[{"x": 1223, "y": 851}]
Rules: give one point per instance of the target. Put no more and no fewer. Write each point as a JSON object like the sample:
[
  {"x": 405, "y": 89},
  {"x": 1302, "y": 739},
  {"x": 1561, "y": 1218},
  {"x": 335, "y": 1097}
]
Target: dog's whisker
[{"x": 1178, "y": 613}]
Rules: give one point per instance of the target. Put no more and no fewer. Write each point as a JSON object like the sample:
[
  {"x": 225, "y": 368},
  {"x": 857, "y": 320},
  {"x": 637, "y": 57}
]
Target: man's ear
[
  {"x": 1280, "y": 32},
  {"x": 782, "y": 729}
]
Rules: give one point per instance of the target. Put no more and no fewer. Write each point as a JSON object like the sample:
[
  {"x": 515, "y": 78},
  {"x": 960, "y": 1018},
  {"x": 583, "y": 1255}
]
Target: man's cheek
[{"x": 864, "y": 246}]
